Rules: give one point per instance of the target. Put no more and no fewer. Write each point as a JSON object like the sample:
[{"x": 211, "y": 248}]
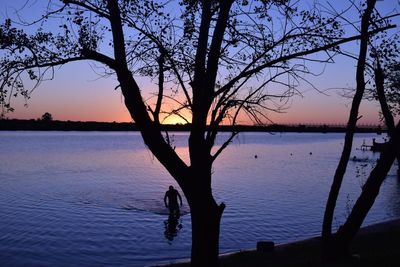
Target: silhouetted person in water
[{"x": 172, "y": 195}]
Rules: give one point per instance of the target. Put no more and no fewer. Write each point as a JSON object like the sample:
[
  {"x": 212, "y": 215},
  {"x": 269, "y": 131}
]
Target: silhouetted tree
[
  {"x": 337, "y": 246},
  {"x": 346, "y": 233},
  {"x": 46, "y": 117},
  {"x": 351, "y": 125},
  {"x": 383, "y": 52},
  {"x": 370, "y": 190},
  {"x": 212, "y": 61},
  {"x": 385, "y": 72},
  {"x": 387, "y": 98}
]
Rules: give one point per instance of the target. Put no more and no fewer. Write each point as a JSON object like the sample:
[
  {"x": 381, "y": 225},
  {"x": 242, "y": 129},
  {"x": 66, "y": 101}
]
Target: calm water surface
[{"x": 96, "y": 199}]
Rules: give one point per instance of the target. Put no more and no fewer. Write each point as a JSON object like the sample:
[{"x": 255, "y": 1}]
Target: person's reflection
[{"x": 172, "y": 226}]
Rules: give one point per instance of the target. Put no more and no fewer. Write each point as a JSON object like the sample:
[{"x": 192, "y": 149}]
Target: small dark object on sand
[{"x": 265, "y": 246}]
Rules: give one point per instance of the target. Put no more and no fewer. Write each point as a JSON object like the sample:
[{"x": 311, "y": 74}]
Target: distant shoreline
[{"x": 55, "y": 125}]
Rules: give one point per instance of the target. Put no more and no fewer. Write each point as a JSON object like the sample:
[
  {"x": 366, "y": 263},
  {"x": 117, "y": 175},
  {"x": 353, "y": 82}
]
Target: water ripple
[{"x": 61, "y": 209}]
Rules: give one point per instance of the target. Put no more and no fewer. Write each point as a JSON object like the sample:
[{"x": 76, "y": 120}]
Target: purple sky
[{"x": 77, "y": 92}]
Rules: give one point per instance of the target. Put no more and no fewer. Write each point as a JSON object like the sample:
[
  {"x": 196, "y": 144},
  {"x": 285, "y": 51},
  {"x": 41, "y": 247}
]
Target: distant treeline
[{"x": 55, "y": 125}]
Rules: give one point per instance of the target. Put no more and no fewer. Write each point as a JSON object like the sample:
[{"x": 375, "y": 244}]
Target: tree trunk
[
  {"x": 205, "y": 234},
  {"x": 341, "y": 169},
  {"x": 206, "y": 217},
  {"x": 380, "y": 90},
  {"x": 348, "y": 231}
]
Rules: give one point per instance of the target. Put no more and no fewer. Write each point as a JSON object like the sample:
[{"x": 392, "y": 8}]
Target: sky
[{"x": 77, "y": 93}]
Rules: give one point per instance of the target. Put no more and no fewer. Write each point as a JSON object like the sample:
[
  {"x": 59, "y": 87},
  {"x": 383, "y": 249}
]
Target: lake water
[{"x": 96, "y": 199}]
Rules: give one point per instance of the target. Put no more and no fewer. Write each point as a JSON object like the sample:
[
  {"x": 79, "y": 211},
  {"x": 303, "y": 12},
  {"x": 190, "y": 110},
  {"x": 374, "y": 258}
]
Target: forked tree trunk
[
  {"x": 327, "y": 239},
  {"x": 348, "y": 231}
]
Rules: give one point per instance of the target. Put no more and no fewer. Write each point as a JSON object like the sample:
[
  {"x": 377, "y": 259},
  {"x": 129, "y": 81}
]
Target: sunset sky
[{"x": 77, "y": 93}]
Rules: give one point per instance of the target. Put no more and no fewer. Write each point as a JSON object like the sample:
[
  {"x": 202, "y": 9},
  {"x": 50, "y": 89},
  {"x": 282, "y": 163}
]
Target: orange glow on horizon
[{"x": 176, "y": 119}]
